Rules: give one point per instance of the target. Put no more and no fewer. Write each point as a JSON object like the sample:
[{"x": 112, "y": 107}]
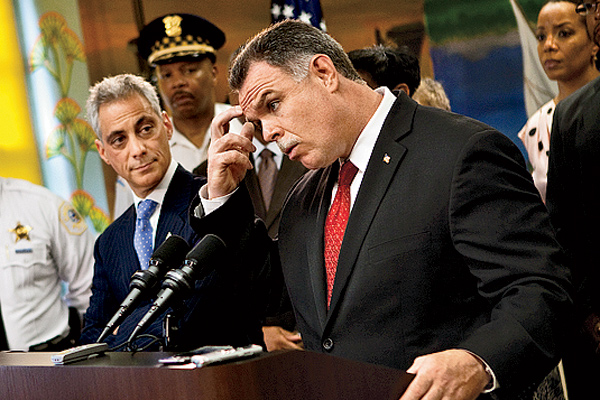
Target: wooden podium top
[{"x": 286, "y": 375}]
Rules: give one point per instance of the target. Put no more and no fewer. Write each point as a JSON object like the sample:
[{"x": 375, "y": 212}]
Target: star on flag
[{"x": 307, "y": 11}]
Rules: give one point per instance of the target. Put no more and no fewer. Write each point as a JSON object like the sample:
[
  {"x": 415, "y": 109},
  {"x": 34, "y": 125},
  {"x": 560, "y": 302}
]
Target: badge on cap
[
  {"x": 21, "y": 231},
  {"x": 172, "y": 25}
]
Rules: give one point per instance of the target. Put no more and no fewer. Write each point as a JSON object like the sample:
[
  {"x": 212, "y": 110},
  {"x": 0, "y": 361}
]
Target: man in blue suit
[{"x": 133, "y": 137}]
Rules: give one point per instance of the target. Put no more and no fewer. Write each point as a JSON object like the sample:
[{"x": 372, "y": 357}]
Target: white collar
[
  {"x": 361, "y": 152},
  {"x": 158, "y": 194}
]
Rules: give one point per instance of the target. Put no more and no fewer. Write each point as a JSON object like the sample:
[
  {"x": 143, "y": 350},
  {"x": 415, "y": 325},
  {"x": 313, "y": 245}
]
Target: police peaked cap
[{"x": 178, "y": 36}]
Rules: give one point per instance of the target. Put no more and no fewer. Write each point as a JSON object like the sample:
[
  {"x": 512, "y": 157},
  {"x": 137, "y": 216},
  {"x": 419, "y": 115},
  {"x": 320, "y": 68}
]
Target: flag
[
  {"x": 537, "y": 88},
  {"x": 308, "y": 11}
]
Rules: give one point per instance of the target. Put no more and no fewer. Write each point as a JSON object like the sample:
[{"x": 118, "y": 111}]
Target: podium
[{"x": 284, "y": 375}]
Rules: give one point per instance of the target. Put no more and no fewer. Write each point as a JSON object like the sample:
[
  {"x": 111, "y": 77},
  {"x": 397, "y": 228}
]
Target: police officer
[
  {"x": 181, "y": 49},
  {"x": 43, "y": 242}
]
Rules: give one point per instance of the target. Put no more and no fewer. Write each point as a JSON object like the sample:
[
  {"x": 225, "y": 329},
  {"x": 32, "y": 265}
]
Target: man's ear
[
  {"x": 404, "y": 87},
  {"x": 323, "y": 69},
  {"x": 100, "y": 148},
  {"x": 215, "y": 72},
  {"x": 168, "y": 124}
]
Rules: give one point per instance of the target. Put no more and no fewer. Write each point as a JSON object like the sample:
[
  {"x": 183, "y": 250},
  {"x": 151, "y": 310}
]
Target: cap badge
[{"x": 172, "y": 25}]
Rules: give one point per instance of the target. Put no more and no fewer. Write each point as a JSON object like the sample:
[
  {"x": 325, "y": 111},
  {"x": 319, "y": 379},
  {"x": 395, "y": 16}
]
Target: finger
[
  {"x": 232, "y": 142},
  {"x": 220, "y": 123},
  {"x": 248, "y": 130},
  {"x": 418, "y": 388}
]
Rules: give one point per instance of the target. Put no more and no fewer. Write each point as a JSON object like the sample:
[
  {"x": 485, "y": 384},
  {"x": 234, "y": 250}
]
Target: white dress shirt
[{"x": 158, "y": 195}]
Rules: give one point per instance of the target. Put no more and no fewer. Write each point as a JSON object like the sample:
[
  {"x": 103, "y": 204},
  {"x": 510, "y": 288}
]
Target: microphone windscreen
[
  {"x": 207, "y": 249},
  {"x": 172, "y": 251}
]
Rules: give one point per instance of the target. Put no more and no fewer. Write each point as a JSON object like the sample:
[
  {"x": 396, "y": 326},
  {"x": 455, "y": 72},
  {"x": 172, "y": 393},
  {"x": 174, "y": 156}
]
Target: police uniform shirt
[{"x": 43, "y": 241}]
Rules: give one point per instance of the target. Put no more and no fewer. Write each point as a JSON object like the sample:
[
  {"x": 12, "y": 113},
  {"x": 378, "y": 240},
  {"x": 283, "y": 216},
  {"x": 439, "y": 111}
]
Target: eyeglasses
[{"x": 587, "y": 8}]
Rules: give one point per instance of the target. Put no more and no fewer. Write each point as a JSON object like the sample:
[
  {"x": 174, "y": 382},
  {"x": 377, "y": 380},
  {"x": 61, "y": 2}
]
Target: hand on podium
[
  {"x": 450, "y": 374},
  {"x": 277, "y": 338}
]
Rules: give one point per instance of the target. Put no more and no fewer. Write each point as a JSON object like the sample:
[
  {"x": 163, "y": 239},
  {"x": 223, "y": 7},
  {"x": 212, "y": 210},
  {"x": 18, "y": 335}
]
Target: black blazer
[
  {"x": 222, "y": 308},
  {"x": 448, "y": 245},
  {"x": 572, "y": 195}
]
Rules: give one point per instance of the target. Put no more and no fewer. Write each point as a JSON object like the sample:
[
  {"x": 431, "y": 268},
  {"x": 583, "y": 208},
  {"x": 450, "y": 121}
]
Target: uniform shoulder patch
[{"x": 71, "y": 220}]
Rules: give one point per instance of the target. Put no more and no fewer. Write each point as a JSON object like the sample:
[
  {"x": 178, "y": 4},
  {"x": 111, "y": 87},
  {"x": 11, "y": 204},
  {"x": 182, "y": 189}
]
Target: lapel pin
[{"x": 386, "y": 158}]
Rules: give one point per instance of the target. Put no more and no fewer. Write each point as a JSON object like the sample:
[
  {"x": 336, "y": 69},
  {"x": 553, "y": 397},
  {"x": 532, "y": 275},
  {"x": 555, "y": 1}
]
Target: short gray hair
[
  {"x": 117, "y": 88},
  {"x": 289, "y": 45}
]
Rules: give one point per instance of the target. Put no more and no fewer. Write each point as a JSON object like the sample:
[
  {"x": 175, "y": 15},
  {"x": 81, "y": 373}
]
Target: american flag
[{"x": 308, "y": 11}]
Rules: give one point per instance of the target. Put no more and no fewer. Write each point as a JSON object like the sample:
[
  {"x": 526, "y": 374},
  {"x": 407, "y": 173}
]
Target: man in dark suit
[
  {"x": 448, "y": 266},
  {"x": 226, "y": 306},
  {"x": 572, "y": 199}
]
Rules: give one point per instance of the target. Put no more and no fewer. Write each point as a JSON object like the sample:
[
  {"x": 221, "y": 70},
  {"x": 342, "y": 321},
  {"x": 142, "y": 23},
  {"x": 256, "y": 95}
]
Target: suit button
[{"x": 328, "y": 344}]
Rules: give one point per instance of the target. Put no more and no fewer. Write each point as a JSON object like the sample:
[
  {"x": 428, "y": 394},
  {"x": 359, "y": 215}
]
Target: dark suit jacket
[
  {"x": 221, "y": 310},
  {"x": 572, "y": 198},
  {"x": 573, "y": 179},
  {"x": 448, "y": 246}
]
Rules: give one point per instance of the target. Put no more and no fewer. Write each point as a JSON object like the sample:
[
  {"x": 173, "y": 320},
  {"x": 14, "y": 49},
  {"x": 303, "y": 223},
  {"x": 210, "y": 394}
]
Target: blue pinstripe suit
[{"x": 218, "y": 312}]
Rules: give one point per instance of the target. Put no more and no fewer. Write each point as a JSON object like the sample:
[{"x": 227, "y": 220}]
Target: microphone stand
[{"x": 171, "y": 325}]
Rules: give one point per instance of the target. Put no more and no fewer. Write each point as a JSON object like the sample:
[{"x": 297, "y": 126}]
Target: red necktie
[{"x": 336, "y": 222}]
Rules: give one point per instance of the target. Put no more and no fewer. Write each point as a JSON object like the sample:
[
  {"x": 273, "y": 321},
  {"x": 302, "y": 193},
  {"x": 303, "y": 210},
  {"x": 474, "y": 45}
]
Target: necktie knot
[
  {"x": 146, "y": 208},
  {"x": 347, "y": 173},
  {"x": 266, "y": 153}
]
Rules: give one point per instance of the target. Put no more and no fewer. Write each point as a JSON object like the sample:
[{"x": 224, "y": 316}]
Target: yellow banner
[{"x": 18, "y": 153}]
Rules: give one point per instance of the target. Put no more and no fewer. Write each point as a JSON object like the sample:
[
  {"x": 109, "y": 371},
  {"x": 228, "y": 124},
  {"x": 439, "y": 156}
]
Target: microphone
[
  {"x": 168, "y": 255},
  {"x": 198, "y": 263}
]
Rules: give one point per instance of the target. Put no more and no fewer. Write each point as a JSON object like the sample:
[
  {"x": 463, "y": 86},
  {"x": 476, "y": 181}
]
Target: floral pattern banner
[{"x": 57, "y": 89}]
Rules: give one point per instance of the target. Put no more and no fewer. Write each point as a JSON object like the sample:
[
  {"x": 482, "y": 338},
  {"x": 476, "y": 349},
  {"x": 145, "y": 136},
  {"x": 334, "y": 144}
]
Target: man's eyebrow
[
  {"x": 143, "y": 120},
  {"x": 114, "y": 133}
]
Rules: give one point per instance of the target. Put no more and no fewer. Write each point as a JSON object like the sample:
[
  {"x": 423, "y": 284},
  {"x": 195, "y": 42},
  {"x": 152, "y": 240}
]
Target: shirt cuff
[
  {"x": 207, "y": 205},
  {"x": 493, "y": 383}
]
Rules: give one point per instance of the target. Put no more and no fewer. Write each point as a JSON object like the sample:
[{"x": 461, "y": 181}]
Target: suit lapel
[
  {"x": 173, "y": 215},
  {"x": 253, "y": 186},
  {"x": 288, "y": 174},
  {"x": 383, "y": 165},
  {"x": 129, "y": 259},
  {"x": 314, "y": 248}
]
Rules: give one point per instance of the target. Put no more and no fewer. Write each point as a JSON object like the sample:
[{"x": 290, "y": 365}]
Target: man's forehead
[
  {"x": 121, "y": 111},
  {"x": 260, "y": 80}
]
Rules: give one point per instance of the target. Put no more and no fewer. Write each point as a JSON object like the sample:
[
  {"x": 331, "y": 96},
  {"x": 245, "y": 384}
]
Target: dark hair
[
  {"x": 388, "y": 66},
  {"x": 576, "y": 2},
  {"x": 289, "y": 45}
]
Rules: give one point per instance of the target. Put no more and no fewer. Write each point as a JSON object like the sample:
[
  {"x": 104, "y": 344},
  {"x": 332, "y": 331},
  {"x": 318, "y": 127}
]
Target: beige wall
[{"x": 108, "y": 26}]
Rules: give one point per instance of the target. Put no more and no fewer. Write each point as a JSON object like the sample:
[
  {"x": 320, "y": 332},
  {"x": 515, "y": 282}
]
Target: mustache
[
  {"x": 287, "y": 142},
  {"x": 181, "y": 93}
]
